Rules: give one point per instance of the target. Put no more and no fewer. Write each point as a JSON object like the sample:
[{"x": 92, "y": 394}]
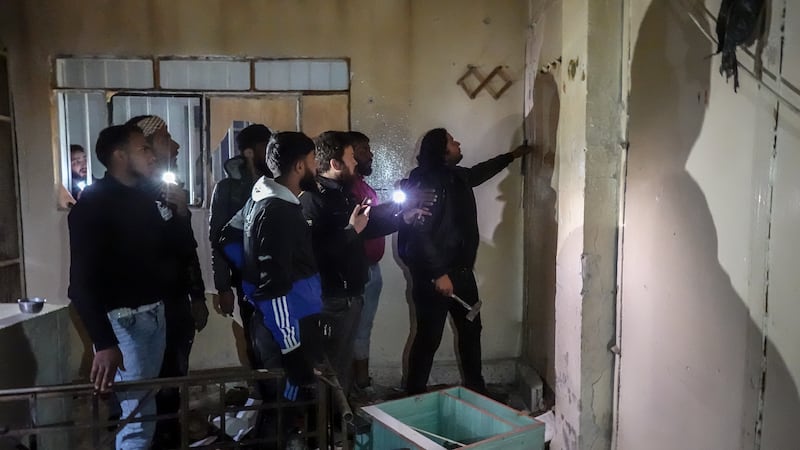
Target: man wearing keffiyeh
[{"x": 185, "y": 310}]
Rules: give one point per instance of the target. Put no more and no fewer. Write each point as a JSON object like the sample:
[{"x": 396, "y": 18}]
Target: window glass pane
[
  {"x": 302, "y": 75},
  {"x": 97, "y": 73},
  {"x": 183, "y": 118},
  {"x": 272, "y": 75},
  {"x": 9, "y": 243},
  {"x": 340, "y": 76},
  {"x": 319, "y": 75},
  {"x": 299, "y": 75},
  {"x": 205, "y": 75}
]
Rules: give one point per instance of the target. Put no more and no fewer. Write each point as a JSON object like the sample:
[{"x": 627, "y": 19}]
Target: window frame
[
  {"x": 59, "y": 117},
  {"x": 19, "y": 261}
]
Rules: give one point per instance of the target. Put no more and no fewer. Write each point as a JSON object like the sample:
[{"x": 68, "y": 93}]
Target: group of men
[{"x": 297, "y": 235}]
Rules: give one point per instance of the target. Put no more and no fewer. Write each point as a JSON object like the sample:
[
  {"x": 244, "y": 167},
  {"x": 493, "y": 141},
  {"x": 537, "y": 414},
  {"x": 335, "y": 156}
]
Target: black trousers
[
  {"x": 343, "y": 314},
  {"x": 246, "y": 311},
  {"x": 180, "y": 336},
  {"x": 267, "y": 355},
  {"x": 431, "y": 314}
]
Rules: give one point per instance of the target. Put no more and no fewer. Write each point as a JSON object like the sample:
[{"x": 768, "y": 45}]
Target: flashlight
[
  {"x": 399, "y": 197},
  {"x": 81, "y": 185},
  {"x": 169, "y": 178}
]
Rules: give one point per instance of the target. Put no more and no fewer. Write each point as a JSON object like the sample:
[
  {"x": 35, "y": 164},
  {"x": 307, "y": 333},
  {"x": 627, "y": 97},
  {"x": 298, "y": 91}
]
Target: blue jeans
[
  {"x": 372, "y": 293},
  {"x": 142, "y": 338}
]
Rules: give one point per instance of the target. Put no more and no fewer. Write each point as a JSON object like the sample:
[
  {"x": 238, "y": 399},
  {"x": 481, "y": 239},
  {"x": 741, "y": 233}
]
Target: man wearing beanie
[
  {"x": 185, "y": 306},
  {"x": 440, "y": 252}
]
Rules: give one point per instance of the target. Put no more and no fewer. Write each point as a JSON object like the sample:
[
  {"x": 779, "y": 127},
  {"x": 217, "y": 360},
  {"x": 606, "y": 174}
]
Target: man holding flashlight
[
  {"x": 185, "y": 308},
  {"x": 440, "y": 252},
  {"x": 339, "y": 224}
]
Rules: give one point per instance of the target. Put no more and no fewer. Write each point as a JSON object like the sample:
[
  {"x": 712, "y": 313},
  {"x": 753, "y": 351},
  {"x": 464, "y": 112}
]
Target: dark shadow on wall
[
  {"x": 540, "y": 236},
  {"x": 691, "y": 354}
]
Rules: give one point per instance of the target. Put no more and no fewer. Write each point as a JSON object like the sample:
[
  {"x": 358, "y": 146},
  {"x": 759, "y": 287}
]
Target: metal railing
[{"x": 329, "y": 400}]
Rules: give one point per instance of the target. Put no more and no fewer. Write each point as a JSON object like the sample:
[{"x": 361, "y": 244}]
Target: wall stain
[{"x": 572, "y": 68}]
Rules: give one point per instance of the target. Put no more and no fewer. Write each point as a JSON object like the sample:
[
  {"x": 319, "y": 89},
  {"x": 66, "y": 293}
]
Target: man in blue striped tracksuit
[{"x": 271, "y": 240}]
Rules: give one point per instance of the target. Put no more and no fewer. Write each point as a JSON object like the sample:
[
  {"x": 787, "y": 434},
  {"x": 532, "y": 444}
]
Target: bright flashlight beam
[
  {"x": 81, "y": 185},
  {"x": 169, "y": 178},
  {"x": 399, "y": 197}
]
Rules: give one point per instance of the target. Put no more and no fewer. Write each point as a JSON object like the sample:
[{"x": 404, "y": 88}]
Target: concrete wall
[
  {"x": 32, "y": 348},
  {"x": 405, "y": 59},
  {"x": 711, "y": 215}
]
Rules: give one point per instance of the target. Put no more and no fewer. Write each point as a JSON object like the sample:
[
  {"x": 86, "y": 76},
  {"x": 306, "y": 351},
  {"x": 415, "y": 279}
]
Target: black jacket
[
  {"x": 448, "y": 239},
  {"x": 121, "y": 250},
  {"x": 276, "y": 240},
  {"x": 183, "y": 270},
  {"x": 230, "y": 195},
  {"x": 339, "y": 250}
]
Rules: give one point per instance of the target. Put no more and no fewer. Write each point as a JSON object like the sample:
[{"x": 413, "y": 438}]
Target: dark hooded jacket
[
  {"x": 448, "y": 239},
  {"x": 229, "y": 197}
]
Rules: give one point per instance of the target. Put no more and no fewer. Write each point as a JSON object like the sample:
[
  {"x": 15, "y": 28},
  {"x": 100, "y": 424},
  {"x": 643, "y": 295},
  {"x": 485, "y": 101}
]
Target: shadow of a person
[{"x": 688, "y": 340}]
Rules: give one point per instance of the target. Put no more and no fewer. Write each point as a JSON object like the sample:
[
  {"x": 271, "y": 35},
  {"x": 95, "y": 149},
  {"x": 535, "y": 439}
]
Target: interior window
[
  {"x": 82, "y": 115},
  {"x": 184, "y": 122},
  {"x": 204, "y": 101}
]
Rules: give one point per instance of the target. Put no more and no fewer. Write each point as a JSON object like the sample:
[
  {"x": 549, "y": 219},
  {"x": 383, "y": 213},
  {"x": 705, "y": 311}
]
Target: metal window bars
[{"x": 330, "y": 398}]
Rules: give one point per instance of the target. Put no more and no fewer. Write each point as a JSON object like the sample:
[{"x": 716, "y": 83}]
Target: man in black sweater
[
  {"x": 440, "y": 252},
  {"x": 119, "y": 245}
]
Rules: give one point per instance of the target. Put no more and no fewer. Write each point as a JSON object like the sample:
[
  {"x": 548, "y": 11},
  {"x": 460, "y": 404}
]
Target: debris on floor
[
  {"x": 239, "y": 424},
  {"x": 549, "y": 419}
]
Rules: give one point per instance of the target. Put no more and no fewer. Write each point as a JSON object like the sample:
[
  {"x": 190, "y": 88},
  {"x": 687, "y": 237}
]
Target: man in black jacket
[
  {"x": 120, "y": 245},
  {"x": 339, "y": 224},
  {"x": 230, "y": 195},
  {"x": 440, "y": 252},
  {"x": 185, "y": 305}
]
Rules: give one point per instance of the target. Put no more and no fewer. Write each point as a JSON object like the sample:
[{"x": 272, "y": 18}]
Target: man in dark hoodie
[
  {"x": 229, "y": 197},
  {"x": 440, "y": 252}
]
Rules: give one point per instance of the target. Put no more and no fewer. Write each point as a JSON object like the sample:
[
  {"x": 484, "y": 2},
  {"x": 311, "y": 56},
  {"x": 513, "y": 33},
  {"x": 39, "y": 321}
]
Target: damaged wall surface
[
  {"x": 405, "y": 58},
  {"x": 710, "y": 239}
]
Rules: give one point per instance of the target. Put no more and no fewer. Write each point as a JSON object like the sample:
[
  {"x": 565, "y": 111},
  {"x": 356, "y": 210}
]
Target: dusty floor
[{"x": 207, "y": 397}]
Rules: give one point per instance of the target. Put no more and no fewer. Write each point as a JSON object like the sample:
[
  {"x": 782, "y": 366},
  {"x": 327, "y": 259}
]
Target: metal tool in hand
[{"x": 473, "y": 310}]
